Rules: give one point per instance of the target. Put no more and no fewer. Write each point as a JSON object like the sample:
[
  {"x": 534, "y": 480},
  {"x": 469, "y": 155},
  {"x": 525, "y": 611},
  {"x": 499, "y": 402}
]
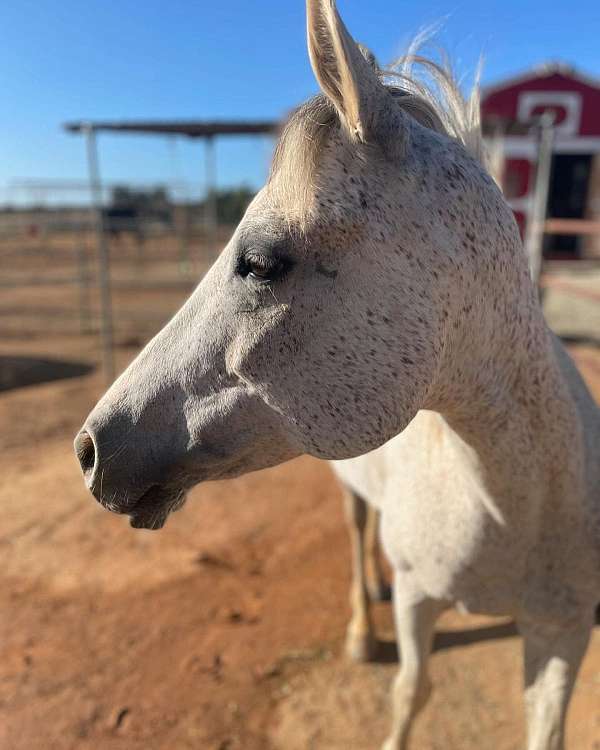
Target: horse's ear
[{"x": 345, "y": 75}]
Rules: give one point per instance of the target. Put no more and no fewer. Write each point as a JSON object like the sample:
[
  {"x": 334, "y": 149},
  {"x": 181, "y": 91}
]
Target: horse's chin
[{"x": 153, "y": 508}]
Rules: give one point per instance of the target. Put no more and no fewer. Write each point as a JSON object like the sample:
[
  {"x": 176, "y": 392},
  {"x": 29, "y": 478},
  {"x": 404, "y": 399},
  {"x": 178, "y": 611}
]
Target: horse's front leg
[
  {"x": 553, "y": 653},
  {"x": 377, "y": 586},
  {"x": 360, "y": 640},
  {"x": 415, "y": 616}
]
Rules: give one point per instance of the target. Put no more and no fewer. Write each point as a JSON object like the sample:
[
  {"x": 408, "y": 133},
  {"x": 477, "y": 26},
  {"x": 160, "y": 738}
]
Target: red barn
[{"x": 510, "y": 110}]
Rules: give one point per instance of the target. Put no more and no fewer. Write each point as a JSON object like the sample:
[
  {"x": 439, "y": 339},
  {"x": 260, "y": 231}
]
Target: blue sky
[{"x": 227, "y": 58}]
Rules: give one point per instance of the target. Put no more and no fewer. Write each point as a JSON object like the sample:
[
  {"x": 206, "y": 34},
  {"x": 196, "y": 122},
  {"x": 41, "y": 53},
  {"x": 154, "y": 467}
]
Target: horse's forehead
[
  {"x": 311, "y": 176},
  {"x": 332, "y": 224},
  {"x": 356, "y": 188},
  {"x": 264, "y": 215}
]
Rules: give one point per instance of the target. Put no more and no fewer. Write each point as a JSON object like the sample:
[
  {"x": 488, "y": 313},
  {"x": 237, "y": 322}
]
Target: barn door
[{"x": 567, "y": 199}]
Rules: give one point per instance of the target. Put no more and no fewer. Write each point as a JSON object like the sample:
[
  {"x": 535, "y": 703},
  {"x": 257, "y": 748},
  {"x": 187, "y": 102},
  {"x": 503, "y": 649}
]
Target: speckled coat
[{"x": 376, "y": 300}]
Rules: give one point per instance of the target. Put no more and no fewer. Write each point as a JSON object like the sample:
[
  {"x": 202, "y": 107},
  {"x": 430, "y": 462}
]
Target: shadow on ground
[
  {"x": 580, "y": 340},
  {"x": 17, "y": 372},
  {"x": 387, "y": 652}
]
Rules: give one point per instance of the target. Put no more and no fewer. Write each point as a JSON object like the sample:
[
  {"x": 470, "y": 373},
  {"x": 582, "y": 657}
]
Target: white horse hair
[{"x": 374, "y": 308}]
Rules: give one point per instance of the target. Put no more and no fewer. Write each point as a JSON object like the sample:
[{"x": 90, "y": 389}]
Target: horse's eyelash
[{"x": 262, "y": 260}]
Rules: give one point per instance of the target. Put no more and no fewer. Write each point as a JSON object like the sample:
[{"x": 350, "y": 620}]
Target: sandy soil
[{"x": 225, "y": 630}]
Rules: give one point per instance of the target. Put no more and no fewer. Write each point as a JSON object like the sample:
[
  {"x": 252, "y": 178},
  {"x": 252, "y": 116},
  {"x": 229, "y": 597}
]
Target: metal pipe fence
[{"x": 52, "y": 285}]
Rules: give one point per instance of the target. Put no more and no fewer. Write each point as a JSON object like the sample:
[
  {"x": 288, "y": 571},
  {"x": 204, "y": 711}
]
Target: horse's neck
[{"x": 502, "y": 390}]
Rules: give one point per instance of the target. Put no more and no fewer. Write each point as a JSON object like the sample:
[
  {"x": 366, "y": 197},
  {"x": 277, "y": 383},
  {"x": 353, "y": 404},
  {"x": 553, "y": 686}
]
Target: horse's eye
[{"x": 262, "y": 267}]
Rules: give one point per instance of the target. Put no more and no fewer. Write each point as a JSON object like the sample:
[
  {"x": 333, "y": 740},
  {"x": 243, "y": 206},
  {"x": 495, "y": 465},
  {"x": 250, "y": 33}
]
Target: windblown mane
[
  {"x": 426, "y": 90},
  {"x": 430, "y": 92}
]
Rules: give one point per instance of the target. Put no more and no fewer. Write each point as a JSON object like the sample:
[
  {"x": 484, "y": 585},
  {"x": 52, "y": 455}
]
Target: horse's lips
[{"x": 153, "y": 508}]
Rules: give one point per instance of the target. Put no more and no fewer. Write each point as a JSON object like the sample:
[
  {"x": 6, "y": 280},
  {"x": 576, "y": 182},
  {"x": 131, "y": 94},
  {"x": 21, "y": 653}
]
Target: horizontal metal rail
[{"x": 582, "y": 227}]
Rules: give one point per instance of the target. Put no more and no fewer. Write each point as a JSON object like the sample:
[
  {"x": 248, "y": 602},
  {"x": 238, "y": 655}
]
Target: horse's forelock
[{"x": 435, "y": 101}]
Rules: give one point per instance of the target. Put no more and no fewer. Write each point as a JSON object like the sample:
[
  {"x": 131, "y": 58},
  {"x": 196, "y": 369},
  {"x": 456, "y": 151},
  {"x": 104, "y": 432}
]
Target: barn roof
[
  {"x": 512, "y": 105},
  {"x": 189, "y": 128},
  {"x": 544, "y": 70}
]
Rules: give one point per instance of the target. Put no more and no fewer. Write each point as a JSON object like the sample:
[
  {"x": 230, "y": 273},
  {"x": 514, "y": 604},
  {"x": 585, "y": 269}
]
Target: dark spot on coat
[{"x": 330, "y": 273}]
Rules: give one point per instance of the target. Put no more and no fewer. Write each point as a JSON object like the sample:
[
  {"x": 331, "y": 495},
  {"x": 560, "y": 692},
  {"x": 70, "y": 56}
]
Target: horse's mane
[
  {"x": 430, "y": 92},
  {"x": 426, "y": 90}
]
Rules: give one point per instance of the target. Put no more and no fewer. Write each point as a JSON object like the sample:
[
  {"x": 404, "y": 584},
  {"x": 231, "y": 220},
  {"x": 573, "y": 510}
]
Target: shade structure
[{"x": 188, "y": 128}]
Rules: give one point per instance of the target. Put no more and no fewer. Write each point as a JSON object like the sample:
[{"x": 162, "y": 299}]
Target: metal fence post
[
  {"x": 211, "y": 195},
  {"x": 106, "y": 323},
  {"x": 535, "y": 231},
  {"x": 84, "y": 291}
]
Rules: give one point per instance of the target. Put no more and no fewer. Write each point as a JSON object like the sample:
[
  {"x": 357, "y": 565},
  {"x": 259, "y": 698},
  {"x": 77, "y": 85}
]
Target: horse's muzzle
[{"x": 114, "y": 487}]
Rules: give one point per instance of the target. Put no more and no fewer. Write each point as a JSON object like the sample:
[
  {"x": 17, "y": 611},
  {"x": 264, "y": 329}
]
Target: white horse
[{"x": 376, "y": 297}]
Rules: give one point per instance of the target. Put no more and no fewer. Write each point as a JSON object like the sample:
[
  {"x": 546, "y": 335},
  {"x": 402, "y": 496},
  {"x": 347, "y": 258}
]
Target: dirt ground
[{"x": 224, "y": 631}]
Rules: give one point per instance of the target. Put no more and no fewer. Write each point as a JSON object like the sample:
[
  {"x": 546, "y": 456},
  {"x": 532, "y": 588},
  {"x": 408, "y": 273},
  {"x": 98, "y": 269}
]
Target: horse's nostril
[{"x": 86, "y": 453}]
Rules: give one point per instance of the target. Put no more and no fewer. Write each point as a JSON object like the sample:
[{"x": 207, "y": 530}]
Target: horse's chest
[
  {"x": 443, "y": 528},
  {"x": 440, "y": 525},
  {"x": 458, "y": 551}
]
